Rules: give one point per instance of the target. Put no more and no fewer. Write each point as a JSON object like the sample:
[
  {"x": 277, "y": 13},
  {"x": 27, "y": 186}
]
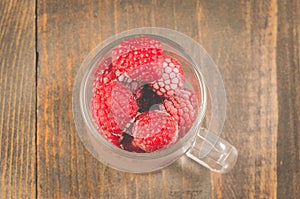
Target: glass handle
[{"x": 213, "y": 152}]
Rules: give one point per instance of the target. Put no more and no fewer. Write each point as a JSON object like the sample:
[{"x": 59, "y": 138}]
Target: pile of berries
[{"x": 139, "y": 100}]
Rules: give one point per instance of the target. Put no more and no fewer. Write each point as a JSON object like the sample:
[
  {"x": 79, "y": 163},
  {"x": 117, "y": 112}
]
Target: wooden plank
[
  {"x": 288, "y": 77},
  {"x": 17, "y": 99},
  {"x": 65, "y": 168},
  {"x": 241, "y": 36}
]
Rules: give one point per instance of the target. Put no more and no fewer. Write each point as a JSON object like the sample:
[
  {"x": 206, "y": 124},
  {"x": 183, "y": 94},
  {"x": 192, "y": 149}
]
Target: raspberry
[
  {"x": 172, "y": 78},
  {"x": 183, "y": 108},
  {"x": 112, "y": 138},
  {"x": 103, "y": 65},
  {"x": 113, "y": 106},
  {"x": 154, "y": 130},
  {"x": 147, "y": 99},
  {"x": 140, "y": 58},
  {"x": 104, "y": 74}
]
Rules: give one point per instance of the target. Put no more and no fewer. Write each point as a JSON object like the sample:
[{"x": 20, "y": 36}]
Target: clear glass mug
[{"x": 200, "y": 144}]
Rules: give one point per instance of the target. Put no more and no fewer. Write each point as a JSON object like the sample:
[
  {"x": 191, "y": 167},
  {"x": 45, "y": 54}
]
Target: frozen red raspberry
[
  {"x": 172, "y": 78},
  {"x": 104, "y": 74},
  {"x": 154, "y": 130},
  {"x": 112, "y": 138},
  {"x": 183, "y": 108},
  {"x": 140, "y": 58},
  {"x": 103, "y": 65},
  {"x": 113, "y": 106}
]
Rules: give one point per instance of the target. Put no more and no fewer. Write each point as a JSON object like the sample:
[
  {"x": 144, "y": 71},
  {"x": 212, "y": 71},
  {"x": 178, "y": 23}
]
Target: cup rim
[{"x": 90, "y": 62}]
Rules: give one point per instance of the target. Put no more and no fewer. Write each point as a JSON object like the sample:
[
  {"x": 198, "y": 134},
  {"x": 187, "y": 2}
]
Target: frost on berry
[
  {"x": 112, "y": 138},
  {"x": 154, "y": 130},
  {"x": 113, "y": 106},
  {"x": 104, "y": 74},
  {"x": 172, "y": 78},
  {"x": 183, "y": 108},
  {"x": 132, "y": 84},
  {"x": 139, "y": 58},
  {"x": 103, "y": 65}
]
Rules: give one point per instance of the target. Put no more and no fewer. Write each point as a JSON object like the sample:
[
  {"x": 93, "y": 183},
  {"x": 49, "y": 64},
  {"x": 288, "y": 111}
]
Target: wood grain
[
  {"x": 288, "y": 78},
  {"x": 241, "y": 36},
  {"x": 254, "y": 43},
  {"x": 18, "y": 99},
  {"x": 65, "y": 168}
]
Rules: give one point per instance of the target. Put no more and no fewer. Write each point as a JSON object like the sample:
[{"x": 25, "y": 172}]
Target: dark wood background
[{"x": 256, "y": 45}]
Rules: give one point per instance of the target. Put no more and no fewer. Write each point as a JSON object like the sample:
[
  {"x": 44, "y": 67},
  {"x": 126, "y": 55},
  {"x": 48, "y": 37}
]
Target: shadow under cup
[{"x": 121, "y": 159}]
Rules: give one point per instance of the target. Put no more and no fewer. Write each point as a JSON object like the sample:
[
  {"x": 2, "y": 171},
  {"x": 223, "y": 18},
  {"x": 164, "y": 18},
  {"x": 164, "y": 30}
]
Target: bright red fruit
[
  {"x": 172, "y": 78},
  {"x": 140, "y": 58},
  {"x": 112, "y": 138},
  {"x": 113, "y": 106},
  {"x": 183, "y": 108},
  {"x": 154, "y": 130},
  {"x": 104, "y": 74},
  {"x": 103, "y": 65}
]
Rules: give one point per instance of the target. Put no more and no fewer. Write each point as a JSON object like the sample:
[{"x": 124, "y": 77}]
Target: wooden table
[{"x": 256, "y": 45}]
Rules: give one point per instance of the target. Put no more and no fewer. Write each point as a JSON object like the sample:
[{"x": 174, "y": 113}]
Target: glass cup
[{"x": 201, "y": 143}]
